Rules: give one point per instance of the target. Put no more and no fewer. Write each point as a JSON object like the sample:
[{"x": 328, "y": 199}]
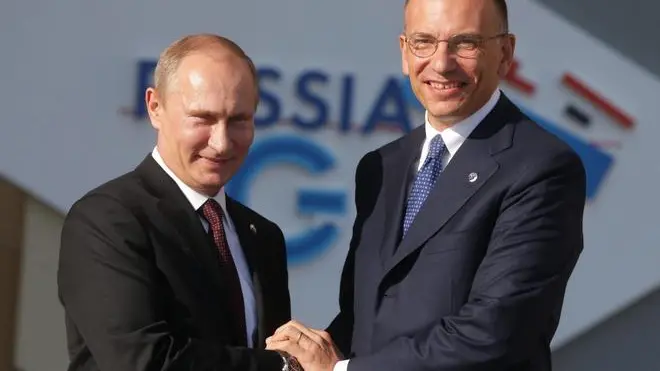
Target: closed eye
[{"x": 239, "y": 119}]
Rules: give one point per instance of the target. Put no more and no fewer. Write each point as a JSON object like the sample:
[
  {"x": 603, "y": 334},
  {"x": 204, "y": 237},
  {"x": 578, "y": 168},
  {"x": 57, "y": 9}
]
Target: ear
[
  {"x": 154, "y": 107},
  {"x": 508, "y": 51},
  {"x": 404, "y": 50}
]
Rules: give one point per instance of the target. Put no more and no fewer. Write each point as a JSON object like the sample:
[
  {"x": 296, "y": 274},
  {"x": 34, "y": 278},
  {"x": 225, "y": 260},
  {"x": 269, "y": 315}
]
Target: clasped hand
[{"x": 314, "y": 349}]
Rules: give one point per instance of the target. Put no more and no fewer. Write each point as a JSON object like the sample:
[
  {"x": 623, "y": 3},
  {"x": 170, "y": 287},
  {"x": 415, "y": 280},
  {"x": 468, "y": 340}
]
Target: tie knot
[
  {"x": 437, "y": 147},
  {"x": 211, "y": 209}
]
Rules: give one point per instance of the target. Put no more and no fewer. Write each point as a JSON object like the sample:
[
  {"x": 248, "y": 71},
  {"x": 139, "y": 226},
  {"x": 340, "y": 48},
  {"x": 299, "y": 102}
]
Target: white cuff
[{"x": 341, "y": 366}]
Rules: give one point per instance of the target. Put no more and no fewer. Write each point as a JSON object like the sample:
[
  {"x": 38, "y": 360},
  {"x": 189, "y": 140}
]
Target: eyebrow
[
  {"x": 422, "y": 34},
  {"x": 214, "y": 115},
  {"x": 241, "y": 116},
  {"x": 426, "y": 34},
  {"x": 202, "y": 113}
]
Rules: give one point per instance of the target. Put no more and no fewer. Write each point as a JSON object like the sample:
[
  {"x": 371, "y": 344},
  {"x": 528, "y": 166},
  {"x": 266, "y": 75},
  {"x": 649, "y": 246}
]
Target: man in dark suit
[
  {"x": 159, "y": 269},
  {"x": 467, "y": 229}
]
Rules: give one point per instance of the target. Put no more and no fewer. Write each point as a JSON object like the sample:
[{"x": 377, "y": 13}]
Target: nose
[
  {"x": 219, "y": 139},
  {"x": 443, "y": 61}
]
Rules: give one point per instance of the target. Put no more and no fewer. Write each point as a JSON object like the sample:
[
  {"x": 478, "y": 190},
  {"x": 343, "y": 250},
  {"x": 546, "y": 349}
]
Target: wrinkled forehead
[{"x": 444, "y": 18}]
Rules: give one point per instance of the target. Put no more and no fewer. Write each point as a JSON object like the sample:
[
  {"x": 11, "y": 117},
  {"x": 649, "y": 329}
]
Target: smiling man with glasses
[
  {"x": 467, "y": 229},
  {"x": 455, "y": 57},
  {"x": 463, "y": 45}
]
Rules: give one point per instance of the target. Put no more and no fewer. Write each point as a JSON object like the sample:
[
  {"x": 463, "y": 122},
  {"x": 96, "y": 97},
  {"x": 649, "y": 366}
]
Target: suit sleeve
[
  {"x": 109, "y": 287},
  {"x": 283, "y": 296},
  {"x": 341, "y": 328},
  {"x": 518, "y": 287}
]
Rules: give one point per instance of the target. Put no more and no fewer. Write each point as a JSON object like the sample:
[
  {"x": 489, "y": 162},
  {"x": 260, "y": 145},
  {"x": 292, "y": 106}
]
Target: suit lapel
[
  {"x": 396, "y": 176},
  {"x": 181, "y": 221},
  {"x": 247, "y": 236},
  {"x": 451, "y": 191},
  {"x": 467, "y": 172}
]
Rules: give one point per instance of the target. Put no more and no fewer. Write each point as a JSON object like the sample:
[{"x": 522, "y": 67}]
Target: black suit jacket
[
  {"x": 141, "y": 288},
  {"x": 478, "y": 281}
]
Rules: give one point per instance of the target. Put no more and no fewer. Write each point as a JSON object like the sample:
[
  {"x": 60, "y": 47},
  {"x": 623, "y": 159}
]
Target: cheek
[
  {"x": 416, "y": 71},
  {"x": 489, "y": 67},
  {"x": 417, "y": 66},
  {"x": 471, "y": 68},
  {"x": 195, "y": 138},
  {"x": 243, "y": 138}
]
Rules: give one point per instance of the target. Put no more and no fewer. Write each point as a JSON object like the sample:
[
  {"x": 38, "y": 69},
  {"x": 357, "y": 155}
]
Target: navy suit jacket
[{"x": 478, "y": 281}]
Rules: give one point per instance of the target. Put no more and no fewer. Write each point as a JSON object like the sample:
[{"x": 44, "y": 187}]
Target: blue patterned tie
[{"x": 424, "y": 181}]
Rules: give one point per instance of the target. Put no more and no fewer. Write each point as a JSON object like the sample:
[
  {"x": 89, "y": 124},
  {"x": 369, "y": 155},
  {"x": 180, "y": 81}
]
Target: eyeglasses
[{"x": 462, "y": 45}]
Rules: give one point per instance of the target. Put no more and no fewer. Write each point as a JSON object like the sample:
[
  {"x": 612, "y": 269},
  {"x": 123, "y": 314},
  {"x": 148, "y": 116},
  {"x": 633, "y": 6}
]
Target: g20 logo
[
  {"x": 315, "y": 160},
  {"x": 390, "y": 109}
]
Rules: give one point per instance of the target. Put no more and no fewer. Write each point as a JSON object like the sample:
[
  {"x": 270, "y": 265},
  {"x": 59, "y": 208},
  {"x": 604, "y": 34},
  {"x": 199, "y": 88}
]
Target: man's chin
[
  {"x": 445, "y": 112},
  {"x": 210, "y": 184}
]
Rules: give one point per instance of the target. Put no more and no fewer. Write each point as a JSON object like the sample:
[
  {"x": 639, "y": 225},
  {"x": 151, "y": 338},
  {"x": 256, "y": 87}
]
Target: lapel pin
[
  {"x": 473, "y": 177},
  {"x": 253, "y": 229}
]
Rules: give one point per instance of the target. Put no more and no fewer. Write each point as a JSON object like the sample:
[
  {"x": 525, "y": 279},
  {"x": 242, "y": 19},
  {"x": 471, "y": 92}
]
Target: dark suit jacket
[
  {"x": 141, "y": 288},
  {"x": 478, "y": 281}
]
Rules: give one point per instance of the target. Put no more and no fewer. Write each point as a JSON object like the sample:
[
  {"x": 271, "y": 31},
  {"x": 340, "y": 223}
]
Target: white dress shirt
[
  {"x": 197, "y": 199},
  {"x": 453, "y": 137}
]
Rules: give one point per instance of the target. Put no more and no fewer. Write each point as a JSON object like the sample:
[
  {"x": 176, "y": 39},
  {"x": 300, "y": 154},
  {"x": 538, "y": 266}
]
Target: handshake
[{"x": 307, "y": 349}]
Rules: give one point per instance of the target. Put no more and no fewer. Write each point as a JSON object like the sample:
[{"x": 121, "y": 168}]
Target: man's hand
[{"x": 314, "y": 349}]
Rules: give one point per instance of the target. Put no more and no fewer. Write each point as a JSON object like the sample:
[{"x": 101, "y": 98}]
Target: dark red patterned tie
[{"x": 213, "y": 212}]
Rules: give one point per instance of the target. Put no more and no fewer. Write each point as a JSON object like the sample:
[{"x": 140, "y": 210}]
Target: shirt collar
[
  {"x": 195, "y": 198},
  {"x": 454, "y": 136}
]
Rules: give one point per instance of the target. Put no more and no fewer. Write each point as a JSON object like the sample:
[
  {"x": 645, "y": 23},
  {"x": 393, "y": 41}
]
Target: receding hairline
[
  {"x": 170, "y": 59},
  {"x": 501, "y": 7}
]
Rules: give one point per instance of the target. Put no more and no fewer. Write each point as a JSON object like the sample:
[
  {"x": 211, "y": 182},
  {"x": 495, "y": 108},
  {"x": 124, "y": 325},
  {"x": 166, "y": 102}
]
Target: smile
[
  {"x": 446, "y": 85},
  {"x": 218, "y": 161}
]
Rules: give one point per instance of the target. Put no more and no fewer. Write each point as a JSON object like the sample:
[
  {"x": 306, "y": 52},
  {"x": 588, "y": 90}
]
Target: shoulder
[
  {"x": 123, "y": 194},
  {"x": 533, "y": 138},
  {"x": 374, "y": 159},
  {"x": 539, "y": 159},
  {"x": 414, "y": 138},
  {"x": 106, "y": 222},
  {"x": 535, "y": 148},
  {"x": 542, "y": 147}
]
